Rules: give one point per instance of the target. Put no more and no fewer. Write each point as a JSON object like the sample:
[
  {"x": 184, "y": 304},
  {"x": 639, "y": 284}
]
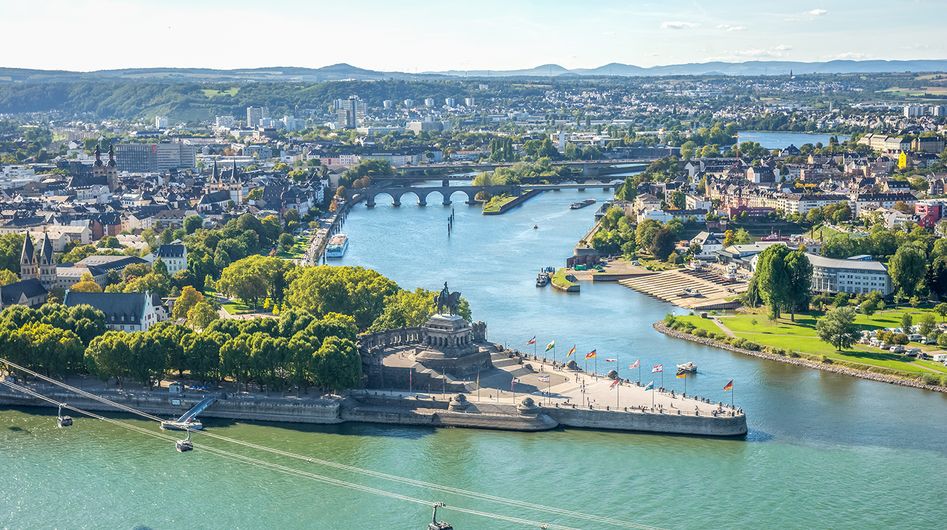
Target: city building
[
  {"x": 350, "y": 113},
  {"x": 161, "y": 122},
  {"x": 255, "y": 115},
  {"x": 853, "y": 276},
  {"x": 123, "y": 311},
  {"x": 155, "y": 157}
]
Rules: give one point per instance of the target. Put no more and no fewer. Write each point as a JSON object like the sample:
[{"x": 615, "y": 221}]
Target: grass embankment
[
  {"x": 496, "y": 203},
  {"x": 754, "y": 331},
  {"x": 565, "y": 281}
]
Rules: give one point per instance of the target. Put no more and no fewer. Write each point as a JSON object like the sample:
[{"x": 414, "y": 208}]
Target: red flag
[
  {"x": 610, "y": 360},
  {"x": 531, "y": 341},
  {"x": 634, "y": 365},
  {"x": 657, "y": 368},
  {"x": 614, "y": 383},
  {"x": 728, "y": 387}
]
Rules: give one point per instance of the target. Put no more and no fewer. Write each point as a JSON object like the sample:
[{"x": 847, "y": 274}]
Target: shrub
[
  {"x": 794, "y": 354},
  {"x": 825, "y": 359},
  {"x": 930, "y": 379},
  {"x": 700, "y": 333}
]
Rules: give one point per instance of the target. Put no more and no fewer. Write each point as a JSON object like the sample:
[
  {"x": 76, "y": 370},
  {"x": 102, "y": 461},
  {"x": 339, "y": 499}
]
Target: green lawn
[
  {"x": 298, "y": 250},
  {"x": 493, "y": 205},
  {"x": 800, "y": 336},
  {"x": 213, "y": 92},
  {"x": 236, "y": 308}
]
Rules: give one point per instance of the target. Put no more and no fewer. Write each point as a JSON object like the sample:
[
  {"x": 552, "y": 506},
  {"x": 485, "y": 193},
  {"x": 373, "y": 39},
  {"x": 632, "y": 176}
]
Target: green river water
[{"x": 824, "y": 450}]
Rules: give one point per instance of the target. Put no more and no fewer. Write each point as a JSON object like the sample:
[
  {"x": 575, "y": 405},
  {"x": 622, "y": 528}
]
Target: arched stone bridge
[{"x": 446, "y": 190}]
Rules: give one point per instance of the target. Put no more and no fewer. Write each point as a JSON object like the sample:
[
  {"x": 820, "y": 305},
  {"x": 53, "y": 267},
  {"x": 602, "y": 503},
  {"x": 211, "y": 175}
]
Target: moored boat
[{"x": 337, "y": 246}]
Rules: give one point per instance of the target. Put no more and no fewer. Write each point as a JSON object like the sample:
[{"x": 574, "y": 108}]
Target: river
[
  {"x": 781, "y": 139},
  {"x": 824, "y": 450}
]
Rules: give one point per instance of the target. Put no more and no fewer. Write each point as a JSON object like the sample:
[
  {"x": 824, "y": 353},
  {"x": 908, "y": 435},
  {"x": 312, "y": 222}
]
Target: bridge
[{"x": 446, "y": 190}]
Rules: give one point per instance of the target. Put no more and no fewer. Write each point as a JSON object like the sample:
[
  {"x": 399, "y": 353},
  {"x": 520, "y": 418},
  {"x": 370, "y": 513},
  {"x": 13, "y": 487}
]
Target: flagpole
[
  {"x": 478, "y": 385},
  {"x": 662, "y": 377},
  {"x": 639, "y": 372}
]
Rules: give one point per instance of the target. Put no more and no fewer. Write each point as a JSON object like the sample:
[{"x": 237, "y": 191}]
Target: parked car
[
  {"x": 897, "y": 348},
  {"x": 884, "y": 345}
]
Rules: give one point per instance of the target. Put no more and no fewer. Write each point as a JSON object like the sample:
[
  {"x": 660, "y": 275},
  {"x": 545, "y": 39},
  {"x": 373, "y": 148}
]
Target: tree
[
  {"x": 908, "y": 269},
  {"x": 108, "y": 354},
  {"x": 772, "y": 278},
  {"x": 192, "y": 223},
  {"x": 411, "y": 308},
  {"x": 941, "y": 309},
  {"x": 86, "y": 284},
  {"x": 937, "y": 277},
  {"x": 927, "y": 324},
  {"x": 337, "y": 364},
  {"x": 837, "y": 327},
  {"x": 645, "y": 232},
  {"x": 799, "y": 272},
  {"x": 7, "y": 277},
  {"x": 201, "y": 315},
  {"x": 352, "y": 291},
  {"x": 906, "y": 322},
  {"x": 663, "y": 244},
  {"x": 188, "y": 298},
  {"x": 286, "y": 241}
]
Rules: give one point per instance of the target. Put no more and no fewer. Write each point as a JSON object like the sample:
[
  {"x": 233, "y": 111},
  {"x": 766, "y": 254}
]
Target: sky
[{"x": 418, "y": 36}]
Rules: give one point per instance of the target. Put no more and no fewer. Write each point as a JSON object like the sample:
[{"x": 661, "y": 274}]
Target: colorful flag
[
  {"x": 681, "y": 375},
  {"x": 657, "y": 368},
  {"x": 590, "y": 355},
  {"x": 571, "y": 351},
  {"x": 649, "y": 386},
  {"x": 614, "y": 383},
  {"x": 728, "y": 387},
  {"x": 634, "y": 365},
  {"x": 531, "y": 341},
  {"x": 551, "y": 345},
  {"x": 544, "y": 378},
  {"x": 611, "y": 360}
]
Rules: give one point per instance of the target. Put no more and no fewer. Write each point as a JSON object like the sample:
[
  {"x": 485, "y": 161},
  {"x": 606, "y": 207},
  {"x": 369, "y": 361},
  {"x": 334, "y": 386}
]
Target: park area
[{"x": 801, "y": 339}]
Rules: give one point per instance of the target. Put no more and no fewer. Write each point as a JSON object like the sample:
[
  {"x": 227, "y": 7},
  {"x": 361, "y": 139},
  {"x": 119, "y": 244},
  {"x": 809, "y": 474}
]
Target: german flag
[
  {"x": 590, "y": 355},
  {"x": 571, "y": 351},
  {"x": 728, "y": 387},
  {"x": 681, "y": 374}
]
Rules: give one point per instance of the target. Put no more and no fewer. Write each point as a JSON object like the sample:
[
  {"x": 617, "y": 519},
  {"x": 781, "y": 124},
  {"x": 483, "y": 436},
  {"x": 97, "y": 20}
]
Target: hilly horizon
[{"x": 345, "y": 71}]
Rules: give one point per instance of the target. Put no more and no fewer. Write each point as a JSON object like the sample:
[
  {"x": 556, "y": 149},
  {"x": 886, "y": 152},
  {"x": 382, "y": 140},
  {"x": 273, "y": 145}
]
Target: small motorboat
[
  {"x": 535, "y": 227},
  {"x": 438, "y": 525},
  {"x": 687, "y": 367}
]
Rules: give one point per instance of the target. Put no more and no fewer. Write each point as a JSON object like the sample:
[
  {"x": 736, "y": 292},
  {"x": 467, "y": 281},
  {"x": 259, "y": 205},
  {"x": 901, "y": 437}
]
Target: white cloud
[
  {"x": 676, "y": 24},
  {"x": 776, "y": 52},
  {"x": 817, "y": 12},
  {"x": 850, "y": 56},
  {"x": 731, "y": 27}
]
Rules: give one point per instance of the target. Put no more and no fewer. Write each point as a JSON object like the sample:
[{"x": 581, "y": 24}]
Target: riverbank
[
  {"x": 564, "y": 281},
  {"x": 798, "y": 360}
]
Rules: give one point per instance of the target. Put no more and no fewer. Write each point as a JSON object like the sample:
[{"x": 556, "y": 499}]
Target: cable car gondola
[
  {"x": 438, "y": 525},
  {"x": 184, "y": 445},
  {"x": 63, "y": 421}
]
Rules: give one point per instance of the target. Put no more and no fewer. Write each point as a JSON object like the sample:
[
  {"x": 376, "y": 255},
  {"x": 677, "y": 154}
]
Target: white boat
[
  {"x": 688, "y": 367},
  {"x": 337, "y": 246}
]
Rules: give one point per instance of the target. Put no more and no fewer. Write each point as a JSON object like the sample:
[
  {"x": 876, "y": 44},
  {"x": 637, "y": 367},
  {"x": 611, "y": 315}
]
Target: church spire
[
  {"x": 215, "y": 176},
  {"x": 98, "y": 155},
  {"x": 111, "y": 156}
]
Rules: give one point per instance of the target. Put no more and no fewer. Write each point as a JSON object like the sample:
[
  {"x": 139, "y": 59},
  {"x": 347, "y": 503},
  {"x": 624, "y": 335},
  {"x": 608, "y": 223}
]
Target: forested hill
[{"x": 190, "y": 101}]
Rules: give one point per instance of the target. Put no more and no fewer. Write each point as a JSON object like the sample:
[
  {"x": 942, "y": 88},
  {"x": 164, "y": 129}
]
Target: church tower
[
  {"x": 28, "y": 266},
  {"x": 47, "y": 264},
  {"x": 108, "y": 170}
]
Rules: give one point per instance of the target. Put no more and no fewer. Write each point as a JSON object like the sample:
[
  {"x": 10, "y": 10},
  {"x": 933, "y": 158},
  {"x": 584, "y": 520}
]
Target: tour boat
[
  {"x": 337, "y": 246},
  {"x": 582, "y": 204},
  {"x": 542, "y": 279},
  {"x": 688, "y": 367}
]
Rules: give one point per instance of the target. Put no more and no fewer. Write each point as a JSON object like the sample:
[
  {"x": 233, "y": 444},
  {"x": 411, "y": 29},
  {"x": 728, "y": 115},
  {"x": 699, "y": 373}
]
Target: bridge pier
[
  {"x": 422, "y": 201},
  {"x": 446, "y": 201},
  {"x": 396, "y": 202},
  {"x": 370, "y": 203}
]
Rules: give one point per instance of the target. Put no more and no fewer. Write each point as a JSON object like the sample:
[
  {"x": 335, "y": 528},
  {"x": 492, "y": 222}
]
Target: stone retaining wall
[
  {"x": 650, "y": 422},
  {"x": 798, "y": 361}
]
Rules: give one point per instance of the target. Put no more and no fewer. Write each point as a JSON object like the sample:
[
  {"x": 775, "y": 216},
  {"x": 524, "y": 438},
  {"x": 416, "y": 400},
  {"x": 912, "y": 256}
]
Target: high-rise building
[
  {"x": 913, "y": 111},
  {"x": 408, "y": 103},
  {"x": 469, "y": 102},
  {"x": 450, "y": 102},
  {"x": 350, "y": 113},
  {"x": 161, "y": 122},
  {"x": 255, "y": 114},
  {"x": 428, "y": 102},
  {"x": 154, "y": 158},
  {"x": 386, "y": 104}
]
